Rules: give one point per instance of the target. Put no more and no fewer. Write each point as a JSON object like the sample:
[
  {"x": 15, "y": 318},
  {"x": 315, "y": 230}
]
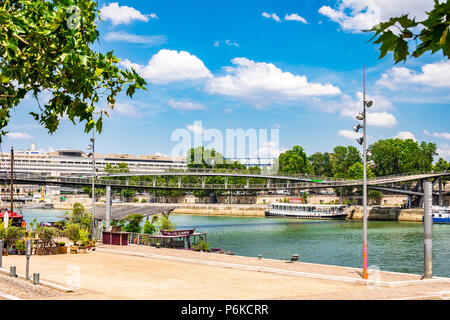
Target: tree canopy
[
  {"x": 434, "y": 35},
  {"x": 343, "y": 158},
  {"x": 394, "y": 156},
  {"x": 46, "y": 47},
  {"x": 294, "y": 161}
]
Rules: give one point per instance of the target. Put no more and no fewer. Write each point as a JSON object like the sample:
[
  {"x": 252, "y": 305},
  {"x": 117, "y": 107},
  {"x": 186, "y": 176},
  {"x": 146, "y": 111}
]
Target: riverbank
[
  {"x": 140, "y": 272},
  {"x": 377, "y": 213}
]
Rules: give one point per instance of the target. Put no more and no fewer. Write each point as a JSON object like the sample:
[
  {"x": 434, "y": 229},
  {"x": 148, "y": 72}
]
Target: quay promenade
[{"x": 111, "y": 271}]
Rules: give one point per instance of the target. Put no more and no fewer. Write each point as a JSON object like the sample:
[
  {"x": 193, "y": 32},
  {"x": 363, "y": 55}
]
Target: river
[{"x": 392, "y": 246}]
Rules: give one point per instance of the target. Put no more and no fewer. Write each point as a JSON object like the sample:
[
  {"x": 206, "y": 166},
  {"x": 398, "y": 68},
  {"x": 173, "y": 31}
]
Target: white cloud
[
  {"x": 442, "y": 135},
  {"x": 404, "y": 135},
  {"x": 231, "y": 43},
  {"x": 196, "y": 128},
  {"x": 127, "y": 110},
  {"x": 263, "y": 83},
  {"x": 295, "y": 17},
  {"x": 358, "y": 15},
  {"x": 185, "y": 105},
  {"x": 134, "y": 38},
  {"x": 227, "y": 42},
  {"x": 123, "y": 14},
  {"x": 436, "y": 75},
  {"x": 444, "y": 151},
  {"x": 349, "y": 134},
  {"x": 376, "y": 115},
  {"x": 381, "y": 119},
  {"x": 18, "y": 135},
  {"x": 169, "y": 66},
  {"x": 271, "y": 16}
]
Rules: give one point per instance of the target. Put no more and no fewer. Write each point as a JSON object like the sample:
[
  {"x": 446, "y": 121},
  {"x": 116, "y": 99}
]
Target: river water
[{"x": 392, "y": 246}]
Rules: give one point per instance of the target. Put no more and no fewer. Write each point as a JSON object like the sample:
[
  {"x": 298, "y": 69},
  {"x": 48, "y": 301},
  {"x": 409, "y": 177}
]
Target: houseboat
[
  {"x": 440, "y": 214},
  {"x": 307, "y": 211}
]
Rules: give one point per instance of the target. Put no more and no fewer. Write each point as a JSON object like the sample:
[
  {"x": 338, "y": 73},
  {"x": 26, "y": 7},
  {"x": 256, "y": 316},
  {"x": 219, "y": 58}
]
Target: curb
[{"x": 41, "y": 282}]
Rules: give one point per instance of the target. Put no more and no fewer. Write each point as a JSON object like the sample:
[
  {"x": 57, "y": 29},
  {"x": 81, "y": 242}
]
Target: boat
[
  {"x": 15, "y": 218},
  {"x": 307, "y": 211},
  {"x": 440, "y": 214}
]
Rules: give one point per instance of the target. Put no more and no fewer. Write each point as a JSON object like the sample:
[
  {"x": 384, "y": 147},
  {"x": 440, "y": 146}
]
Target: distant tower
[{"x": 33, "y": 146}]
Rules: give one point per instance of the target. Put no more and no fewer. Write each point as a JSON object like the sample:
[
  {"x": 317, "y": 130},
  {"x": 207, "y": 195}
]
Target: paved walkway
[{"x": 139, "y": 272}]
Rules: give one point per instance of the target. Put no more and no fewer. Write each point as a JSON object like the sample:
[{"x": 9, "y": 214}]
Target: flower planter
[
  {"x": 12, "y": 252},
  {"x": 92, "y": 243},
  {"x": 82, "y": 249},
  {"x": 5, "y": 252},
  {"x": 73, "y": 249},
  {"x": 62, "y": 250},
  {"x": 21, "y": 252}
]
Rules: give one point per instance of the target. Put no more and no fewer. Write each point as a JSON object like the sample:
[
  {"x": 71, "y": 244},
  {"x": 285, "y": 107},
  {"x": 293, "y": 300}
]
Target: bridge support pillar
[
  {"x": 248, "y": 183},
  {"x": 340, "y": 195},
  {"x": 440, "y": 191},
  {"x": 226, "y": 182},
  {"x": 203, "y": 182},
  {"x": 179, "y": 181},
  {"x": 108, "y": 208},
  {"x": 154, "y": 181}
]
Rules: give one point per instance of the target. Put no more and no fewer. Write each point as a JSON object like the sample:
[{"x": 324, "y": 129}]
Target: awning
[{"x": 14, "y": 215}]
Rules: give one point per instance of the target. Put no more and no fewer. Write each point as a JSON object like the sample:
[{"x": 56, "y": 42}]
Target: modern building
[{"x": 76, "y": 162}]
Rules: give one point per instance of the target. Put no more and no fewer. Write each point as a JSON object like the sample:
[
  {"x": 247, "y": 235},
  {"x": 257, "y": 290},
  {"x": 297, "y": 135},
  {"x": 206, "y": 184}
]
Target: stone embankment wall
[
  {"x": 386, "y": 214},
  {"x": 222, "y": 210}
]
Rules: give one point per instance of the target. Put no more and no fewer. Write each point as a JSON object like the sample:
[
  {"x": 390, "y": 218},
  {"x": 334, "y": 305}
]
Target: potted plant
[
  {"x": 84, "y": 239},
  {"x": 72, "y": 232},
  {"x": 20, "y": 246},
  {"x": 201, "y": 246},
  {"x": 62, "y": 249}
]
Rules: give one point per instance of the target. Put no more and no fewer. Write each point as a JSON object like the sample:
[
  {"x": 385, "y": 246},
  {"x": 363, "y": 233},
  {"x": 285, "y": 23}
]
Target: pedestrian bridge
[{"x": 265, "y": 181}]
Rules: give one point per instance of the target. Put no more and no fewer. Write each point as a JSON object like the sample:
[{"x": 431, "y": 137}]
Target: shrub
[
  {"x": 133, "y": 222},
  {"x": 149, "y": 228},
  {"x": 20, "y": 245},
  {"x": 135, "y": 200},
  {"x": 165, "y": 224},
  {"x": 12, "y": 234},
  {"x": 143, "y": 200},
  {"x": 47, "y": 233},
  {"x": 84, "y": 236},
  {"x": 72, "y": 232},
  {"x": 200, "y": 246}
]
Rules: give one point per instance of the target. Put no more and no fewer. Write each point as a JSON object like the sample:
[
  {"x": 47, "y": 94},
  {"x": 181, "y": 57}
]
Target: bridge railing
[{"x": 198, "y": 185}]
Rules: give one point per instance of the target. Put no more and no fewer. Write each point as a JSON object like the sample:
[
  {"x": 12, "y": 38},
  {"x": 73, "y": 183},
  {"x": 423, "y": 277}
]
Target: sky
[{"x": 291, "y": 66}]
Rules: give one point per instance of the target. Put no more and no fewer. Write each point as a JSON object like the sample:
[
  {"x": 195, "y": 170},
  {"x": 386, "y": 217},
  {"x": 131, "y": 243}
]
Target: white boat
[
  {"x": 440, "y": 214},
  {"x": 307, "y": 211}
]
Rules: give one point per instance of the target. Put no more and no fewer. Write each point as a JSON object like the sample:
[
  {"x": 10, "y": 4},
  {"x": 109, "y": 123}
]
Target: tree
[
  {"x": 46, "y": 47},
  {"x": 434, "y": 36},
  {"x": 128, "y": 193},
  {"x": 394, "y": 156},
  {"x": 294, "y": 161},
  {"x": 441, "y": 165},
  {"x": 343, "y": 158},
  {"x": 321, "y": 164},
  {"x": 133, "y": 222}
]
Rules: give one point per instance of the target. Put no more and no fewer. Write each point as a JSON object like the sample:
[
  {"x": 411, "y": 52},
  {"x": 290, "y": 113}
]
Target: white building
[{"x": 75, "y": 162}]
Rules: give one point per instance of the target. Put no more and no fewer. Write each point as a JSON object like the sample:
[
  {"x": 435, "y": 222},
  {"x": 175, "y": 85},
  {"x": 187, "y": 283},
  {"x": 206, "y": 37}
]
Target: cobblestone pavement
[{"x": 22, "y": 289}]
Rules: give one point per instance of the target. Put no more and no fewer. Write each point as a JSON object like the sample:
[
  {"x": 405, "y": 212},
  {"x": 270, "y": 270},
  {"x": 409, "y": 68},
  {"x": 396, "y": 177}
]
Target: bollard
[
  {"x": 35, "y": 278},
  {"x": 259, "y": 256},
  {"x": 158, "y": 245},
  {"x": 1, "y": 253},
  {"x": 28, "y": 253},
  {"x": 12, "y": 271}
]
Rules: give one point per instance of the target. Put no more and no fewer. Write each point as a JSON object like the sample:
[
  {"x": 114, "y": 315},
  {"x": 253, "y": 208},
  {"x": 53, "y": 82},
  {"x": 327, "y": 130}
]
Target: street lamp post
[
  {"x": 92, "y": 147},
  {"x": 363, "y": 141}
]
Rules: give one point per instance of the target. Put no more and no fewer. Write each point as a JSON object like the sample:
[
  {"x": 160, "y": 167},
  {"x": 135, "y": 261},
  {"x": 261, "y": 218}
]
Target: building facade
[{"x": 76, "y": 162}]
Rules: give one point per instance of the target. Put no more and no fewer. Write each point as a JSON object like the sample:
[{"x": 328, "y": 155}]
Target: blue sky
[{"x": 295, "y": 66}]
